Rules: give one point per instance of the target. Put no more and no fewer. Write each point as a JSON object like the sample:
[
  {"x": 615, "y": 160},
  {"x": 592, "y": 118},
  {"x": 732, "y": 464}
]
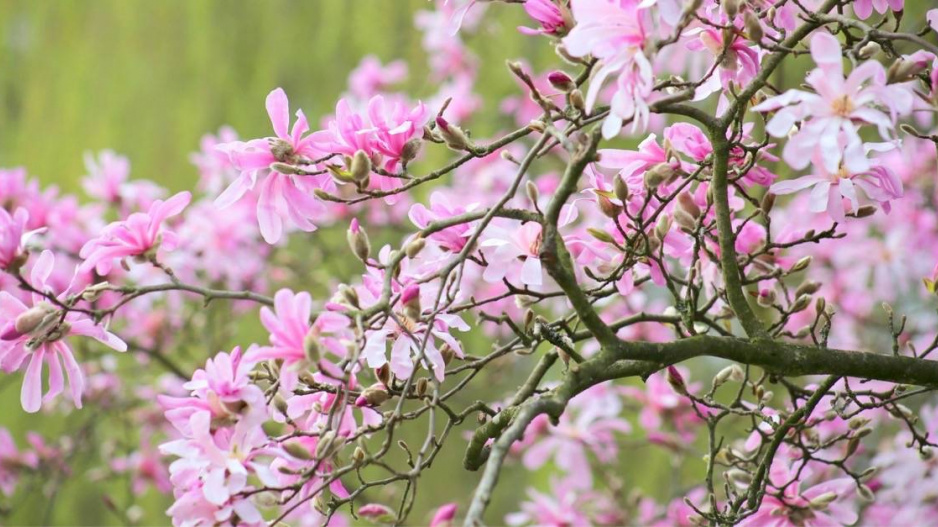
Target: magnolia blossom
[
  {"x": 107, "y": 181},
  {"x": 836, "y": 109},
  {"x": 509, "y": 245},
  {"x": 280, "y": 197},
  {"x": 383, "y": 133},
  {"x": 613, "y": 31},
  {"x": 141, "y": 235},
  {"x": 554, "y": 18},
  {"x": 213, "y": 469},
  {"x": 371, "y": 77},
  {"x": 222, "y": 390},
  {"x": 37, "y": 332},
  {"x": 829, "y": 189},
  {"x": 408, "y": 337},
  {"x": 13, "y": 238}
]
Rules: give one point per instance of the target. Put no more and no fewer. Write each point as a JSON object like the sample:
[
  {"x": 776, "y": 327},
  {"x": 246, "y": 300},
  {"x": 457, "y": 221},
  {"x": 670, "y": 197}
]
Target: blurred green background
[{"x": 148, "y": 79}]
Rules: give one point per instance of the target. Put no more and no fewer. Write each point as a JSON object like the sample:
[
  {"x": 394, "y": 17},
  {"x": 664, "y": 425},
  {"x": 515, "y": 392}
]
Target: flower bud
[
  {"x": 686, "y": 203},
  {"x": 607, "y": 207},
  {"x": 601, "y": 235},
  {"x": 410, "y": 299},
  {"x": 753, "y": 26},
  {"x": 410, "y": 150},
  {"x": 730, "y": 373},
  {"x": 360, "y": 167},
  {"x": 561, "y": 81},
  {"x": 279, "y": 403},
  {"x": 383, "y": 374},
  {"x": 285, "y": 169},
  {"x": 452, "y": 135},
  {"x": 377, "y": 513},
  {"x": 869, "y": 49},
  {"x": 676, "y": 380},
  {"x": 800, "y": 304},
  {"x": 658, "y": 174},
  {"x": 297, "y": 450},
  {"x": 577, "y": 101},
  {"x": 620, "y": 188},
  {"x": 731, "y": 8},
  {"x": 358, "y": 456},
  {"x": 766, "y": 297},
  {"x": 866, "y": 493},
  {"x": 821, "y": 502},
  {"x": 448, "y": 353},
  {"x": 768, "y": 202},
  {"x": 801, "y": 265},
  {"x": 685, "y": 221},
  {"x": 421, "y": 388},
  {"x": 94, "y": 291},
  {"x": 358, "y": 241},
  {"x": 374, "y": 395},
  {"x": 326, "y": 445},
  {"x": 808, "y": 288},
  {"x": 533, "y": 194},
  {"x": 904, "y": 70},
  {"x": 349, "y": 295},
  {"x": 662, "y": 226},
  {"x": 868, "y": 474},
  {"x": 27, "y": 321},
  {"x": 414, "y": 247}
]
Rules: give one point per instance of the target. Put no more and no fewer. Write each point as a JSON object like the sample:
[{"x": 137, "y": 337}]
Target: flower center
[
  {"x": 535, "y": 247},
  {"x": 842, "y": 106}
]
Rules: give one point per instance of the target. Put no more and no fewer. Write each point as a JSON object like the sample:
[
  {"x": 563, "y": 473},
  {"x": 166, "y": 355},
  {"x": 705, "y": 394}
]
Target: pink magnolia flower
[
  {"x": 140, "y": 236},
  {"x": 613, "y": 31},
  {"x": 39, "y": 332},
  {"x": 215, "y": 168},
  {"x": 382, "y": 133},
  {"x": 107, "y": 181},
  {"x": 222, "y": 390},
  {"x": 214, "y": 469},
  {"x": 836, "y": 109},
  {"x": 739, "y": 62},
  {"x": 830, "y": 188},
  {"x": 13, "y": 238},
  {"x": 554, "y": 18},
  {"x": 408, "y": 340},
  {"x": 663, "y": 408},
  {"x": 370, "y": 77},
  {"x": 297, "y": 341},
  {"x": 589, "y": 425},
  {"x": 560, "y": 508},
  {"x": 796, "y": 509},
  {"x": 146, "y": 469},
  {"x": 280, "y": 197},
  {"x": 443, "y": 206},
  {"x": 13, "y": 462},
  {"x": 509, "y": 245},
  {"x": 864, "y": 8}
]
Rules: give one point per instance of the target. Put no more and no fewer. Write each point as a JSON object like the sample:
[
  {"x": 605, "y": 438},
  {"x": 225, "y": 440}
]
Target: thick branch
[{"x": 787, "y": 359}]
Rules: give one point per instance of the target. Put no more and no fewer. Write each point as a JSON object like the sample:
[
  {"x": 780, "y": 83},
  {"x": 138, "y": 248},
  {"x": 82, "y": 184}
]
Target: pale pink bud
[
  {"x": 444, "y": 516},
  {"x": 561, "y": 81}
]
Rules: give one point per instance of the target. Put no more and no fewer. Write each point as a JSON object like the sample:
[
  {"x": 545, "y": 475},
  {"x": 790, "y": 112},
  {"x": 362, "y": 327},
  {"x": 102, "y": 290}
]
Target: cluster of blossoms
[{"x": 601, "y": 260}]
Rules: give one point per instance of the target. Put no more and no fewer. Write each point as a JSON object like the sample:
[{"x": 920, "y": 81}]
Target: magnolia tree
[{"x": 551, "y": 250}]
